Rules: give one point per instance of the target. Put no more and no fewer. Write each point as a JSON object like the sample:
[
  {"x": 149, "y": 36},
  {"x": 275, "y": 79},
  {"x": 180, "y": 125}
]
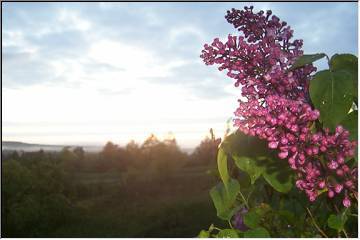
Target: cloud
[
  {"x": 92, "y": 66},
  {"x": 96, "y": 37},
  {"x": 124, "y": 56},
  {"x": 58, "y": 31},
  {"x": 22, "y": 67},
  {"x": 71, "y": 19},
  {"x": 200, "y": 80},
  {"x": 107, "y": 91},
  {"x": 128, "y": 61}
]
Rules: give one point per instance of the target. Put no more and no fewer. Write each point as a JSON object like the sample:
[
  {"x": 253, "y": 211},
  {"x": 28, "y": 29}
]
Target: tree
[{"x": 205, "y": 153}]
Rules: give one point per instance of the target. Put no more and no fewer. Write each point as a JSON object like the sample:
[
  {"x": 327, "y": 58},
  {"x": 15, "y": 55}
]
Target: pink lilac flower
[
  {"x": 278, "y": 108},
  {"x": 346, "y": 202}
]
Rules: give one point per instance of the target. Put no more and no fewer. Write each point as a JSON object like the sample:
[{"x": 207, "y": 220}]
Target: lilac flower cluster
[{"x": 278, "y": 107}]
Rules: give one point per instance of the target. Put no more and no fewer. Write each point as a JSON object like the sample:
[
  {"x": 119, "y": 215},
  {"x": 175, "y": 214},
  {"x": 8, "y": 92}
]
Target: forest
[{"x": 149, "y": 190}]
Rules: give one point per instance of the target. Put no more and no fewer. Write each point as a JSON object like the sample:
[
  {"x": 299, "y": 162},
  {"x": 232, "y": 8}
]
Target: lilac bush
[
  {"x": 278, "y": 107},
  {"x": 296, "y": 127}
]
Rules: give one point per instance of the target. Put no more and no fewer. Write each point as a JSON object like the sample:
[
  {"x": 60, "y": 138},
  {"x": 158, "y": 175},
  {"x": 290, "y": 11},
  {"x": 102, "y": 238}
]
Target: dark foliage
[{"x": 73, "y": 193}]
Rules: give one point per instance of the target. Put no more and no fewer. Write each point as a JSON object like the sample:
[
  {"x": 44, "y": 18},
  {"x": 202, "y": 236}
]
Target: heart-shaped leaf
[
  {"x": 249, "y": 166},
  {"x": 330, "y": 93},
  {"x": 337, "y": 222},
  {"x": 278, "y": 174},
  {"x": 306, "y": 59},
  {"x": 349, "y": 63},
  {"x": 224, "y": 198}
]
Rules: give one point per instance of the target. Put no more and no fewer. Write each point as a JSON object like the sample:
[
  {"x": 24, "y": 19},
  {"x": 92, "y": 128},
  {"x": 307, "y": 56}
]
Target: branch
[{"x": 315, "y": 224}]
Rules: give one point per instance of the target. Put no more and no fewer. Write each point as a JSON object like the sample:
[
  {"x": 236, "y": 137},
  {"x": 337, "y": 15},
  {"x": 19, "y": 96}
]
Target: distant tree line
[{"x": 40, "y": 188}]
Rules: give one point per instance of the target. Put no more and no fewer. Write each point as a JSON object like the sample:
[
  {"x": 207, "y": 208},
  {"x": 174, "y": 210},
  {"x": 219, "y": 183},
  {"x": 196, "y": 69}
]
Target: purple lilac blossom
[{"x": 278, "y": 106}]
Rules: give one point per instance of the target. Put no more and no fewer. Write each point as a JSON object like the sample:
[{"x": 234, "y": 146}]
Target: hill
[{"x": 31, "y": 147}]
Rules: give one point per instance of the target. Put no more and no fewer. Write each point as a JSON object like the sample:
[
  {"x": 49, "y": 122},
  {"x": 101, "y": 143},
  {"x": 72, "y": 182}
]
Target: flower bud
[
  {"x": 283, "y": 155},
  {"x": 340, "y": 159},
  {"x": 273, "y": 145},
  {"x": 321, "y": 184},
  {"x": 339, "y": 172},
  {"x": 349, "y": 183},
  {"x": 346, "y": 202},
  {"x": 338, "y": 188}
]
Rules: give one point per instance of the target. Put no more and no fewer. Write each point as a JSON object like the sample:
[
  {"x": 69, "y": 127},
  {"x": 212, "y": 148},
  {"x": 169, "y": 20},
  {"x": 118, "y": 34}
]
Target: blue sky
[{"x": 91, "y": 72}]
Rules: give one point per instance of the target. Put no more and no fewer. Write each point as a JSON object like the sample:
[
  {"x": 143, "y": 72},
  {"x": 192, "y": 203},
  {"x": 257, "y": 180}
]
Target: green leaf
[
  {"x": 259, "y": 159},
  {"x": 227, "y": 233},
  {"x": 306, "y": 59},
  {"x": 242, "y": 145},
  {"x": 278, "y": 175},
  {"x": 350, "y": 123},
  {"x": 331, "y": 93},
  {"x": 204, "y": 234},
  {"x": 222, "y": 166},
  {"x": 349, "y": 63},
  {"x": 337, "y": 222},
  {"x": 224, "y": 199},
  {"x": 252, "y": 219},
  {"x": 259, "y": 232},
  {"x": 249, "y": 166}
]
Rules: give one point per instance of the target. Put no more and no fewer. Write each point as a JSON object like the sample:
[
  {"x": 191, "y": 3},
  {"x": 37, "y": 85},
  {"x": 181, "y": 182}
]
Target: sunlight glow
[{"x": 95, "y": 72}]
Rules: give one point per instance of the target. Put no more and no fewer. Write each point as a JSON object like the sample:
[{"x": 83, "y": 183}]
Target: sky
[{"x": 88, "y": 73}]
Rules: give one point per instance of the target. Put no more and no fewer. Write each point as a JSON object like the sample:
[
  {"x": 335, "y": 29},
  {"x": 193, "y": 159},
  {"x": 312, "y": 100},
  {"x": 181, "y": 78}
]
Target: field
[
  {"x": 136, "y": 202},
  {"x": 175, "y": 207}
]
